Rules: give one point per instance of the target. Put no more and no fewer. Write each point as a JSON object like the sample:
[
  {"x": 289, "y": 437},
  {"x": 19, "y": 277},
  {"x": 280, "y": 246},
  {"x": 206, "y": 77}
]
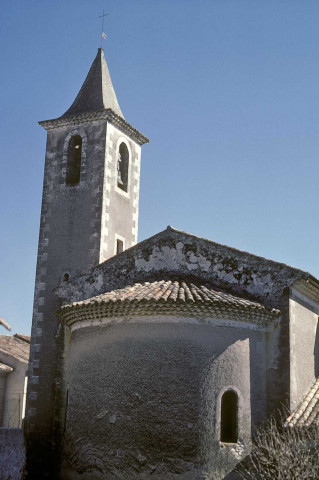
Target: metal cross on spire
[{"x": 103, "y": 35}]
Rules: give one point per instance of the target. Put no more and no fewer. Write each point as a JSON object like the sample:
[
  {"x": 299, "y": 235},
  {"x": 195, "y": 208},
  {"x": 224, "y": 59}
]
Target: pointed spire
[{"x": 97, "y": 92}]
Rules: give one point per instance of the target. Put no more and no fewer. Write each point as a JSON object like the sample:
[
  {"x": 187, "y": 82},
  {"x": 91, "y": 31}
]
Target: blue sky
[{"x": 226, "y": 90}]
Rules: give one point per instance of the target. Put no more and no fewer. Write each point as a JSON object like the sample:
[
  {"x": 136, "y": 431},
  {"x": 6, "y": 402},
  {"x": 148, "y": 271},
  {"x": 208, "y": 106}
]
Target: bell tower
[{"x": 89, "y": 213}]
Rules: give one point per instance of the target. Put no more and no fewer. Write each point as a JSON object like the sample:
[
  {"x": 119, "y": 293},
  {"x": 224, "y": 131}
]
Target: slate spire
[{"x": 97, "y": 92}]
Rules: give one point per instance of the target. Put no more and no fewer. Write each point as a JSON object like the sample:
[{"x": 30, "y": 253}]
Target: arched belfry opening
[
  {"x": 73, "y": 168},
  {"x": 229, "y": 417},
  {"x": 122, "y": 167}
]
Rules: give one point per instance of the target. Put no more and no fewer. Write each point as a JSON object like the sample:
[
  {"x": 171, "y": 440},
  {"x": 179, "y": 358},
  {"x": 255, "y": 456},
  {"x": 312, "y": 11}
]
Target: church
[{"x": 159, "y": 359}]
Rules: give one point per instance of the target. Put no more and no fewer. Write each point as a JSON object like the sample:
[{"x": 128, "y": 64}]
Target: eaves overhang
[
  {"x": 308, "y": 286},
  {"x": 105, "y": 114},
  {"x": 168, "y": 298},
  {"x": 5, "y": 369}
]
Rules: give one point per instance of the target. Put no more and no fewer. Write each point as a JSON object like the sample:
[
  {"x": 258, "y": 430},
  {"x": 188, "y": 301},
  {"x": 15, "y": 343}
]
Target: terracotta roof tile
[
  {"x": 170, "y": 297},
  {"x": 308, "y": 410},
  {"x": 15, "y": 346}
]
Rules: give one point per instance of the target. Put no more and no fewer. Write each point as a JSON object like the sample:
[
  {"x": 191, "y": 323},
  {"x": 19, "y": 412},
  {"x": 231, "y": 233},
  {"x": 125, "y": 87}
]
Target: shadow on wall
[
  {"x": 233, "y": 476},
  {"x": 155, "y": 429},
  {"x": 316, "y": 352},
  {"x": 12, "y": 454}
]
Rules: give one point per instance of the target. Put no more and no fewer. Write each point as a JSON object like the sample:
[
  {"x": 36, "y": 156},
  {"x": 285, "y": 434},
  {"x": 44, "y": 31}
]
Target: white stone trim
[
  {"x": 106, "y": 194},
  {"x": 24, "y": 396}
]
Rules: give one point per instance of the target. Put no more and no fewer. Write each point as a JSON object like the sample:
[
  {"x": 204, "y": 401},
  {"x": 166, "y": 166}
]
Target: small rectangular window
[{"x": 119, "y": 246}]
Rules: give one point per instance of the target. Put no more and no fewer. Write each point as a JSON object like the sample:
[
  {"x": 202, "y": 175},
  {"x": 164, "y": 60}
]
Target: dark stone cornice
[{"x": 106, "y": 114}]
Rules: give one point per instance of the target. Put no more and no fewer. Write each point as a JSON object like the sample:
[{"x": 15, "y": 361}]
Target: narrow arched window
[
  {"x": 122, "y": 167},
  {"x": 73, "y": 168},
  {"x": 229, "y": 417}
]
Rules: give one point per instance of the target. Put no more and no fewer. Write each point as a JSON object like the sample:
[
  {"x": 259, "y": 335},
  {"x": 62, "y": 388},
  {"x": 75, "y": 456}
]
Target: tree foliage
[{"x": 281, "y": 453}]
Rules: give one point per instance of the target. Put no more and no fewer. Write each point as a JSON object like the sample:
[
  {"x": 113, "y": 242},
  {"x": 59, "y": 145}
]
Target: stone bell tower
[{"x": 89, "y": 213}]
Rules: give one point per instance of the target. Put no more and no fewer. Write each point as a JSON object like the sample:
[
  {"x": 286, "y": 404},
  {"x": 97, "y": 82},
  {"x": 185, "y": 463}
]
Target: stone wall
[
  {"x": 3, "y": 381},
  {"x": 69, "y": 242},
  {"x": 15, "y": 392},
  {"x": 78, "y": 227},
  {"x": 304, "y": 345},
  {"x": 144, "y": 398},
  {"x": 172, "y": 252},
  {"x": 12, "y": 454},
  {"x": 119, "y": 209}
]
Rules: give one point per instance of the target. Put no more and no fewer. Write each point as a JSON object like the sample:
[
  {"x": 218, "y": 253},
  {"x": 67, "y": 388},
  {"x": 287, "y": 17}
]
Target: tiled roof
[
  {"x": 308, "y": 410},
  {"x": 15, "y": 346},
  {"x": 171, "y": 298},
  {"x": 5, "y": 369}
]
